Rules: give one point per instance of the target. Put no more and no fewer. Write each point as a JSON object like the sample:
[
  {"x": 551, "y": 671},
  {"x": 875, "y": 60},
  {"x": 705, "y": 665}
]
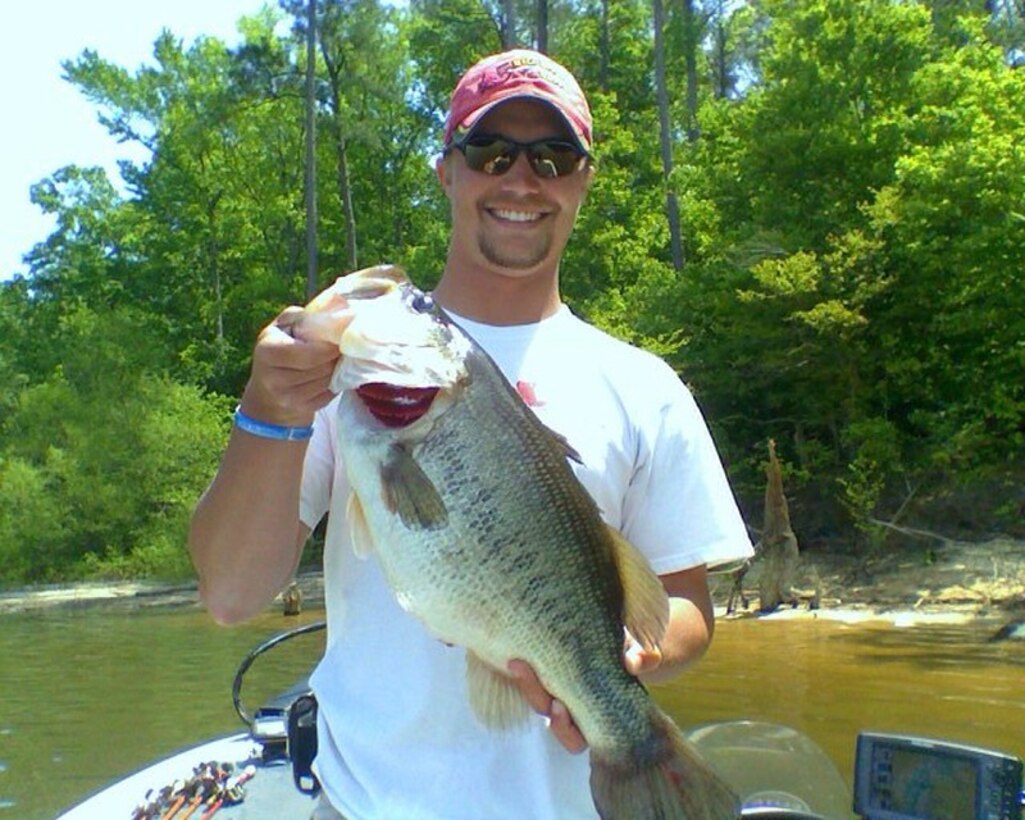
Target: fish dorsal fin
[
  {"x": 567, "y": 449},
  {"x": 483, "y": 368},
  {"x": 645, "y": 603},
  {"x": 495, "y": 698},
  {"x": 409, "y": 493},
  {"x": 359, "y": 532}
]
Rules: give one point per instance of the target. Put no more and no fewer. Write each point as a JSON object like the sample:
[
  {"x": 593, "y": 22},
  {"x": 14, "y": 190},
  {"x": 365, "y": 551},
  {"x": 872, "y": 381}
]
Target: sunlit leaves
[{"x": 852, "y": 211}]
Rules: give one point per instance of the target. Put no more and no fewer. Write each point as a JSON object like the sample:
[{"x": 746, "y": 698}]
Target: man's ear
[
  {"x": 587, "y": 184},
  {"x": 441, "y": 168}
]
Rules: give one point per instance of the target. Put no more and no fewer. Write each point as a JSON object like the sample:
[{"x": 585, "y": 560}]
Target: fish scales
[
  {"x": 510, "y": 556},
  {"x": 487, "y": 537},
  {"x": 522, "y": 550}
]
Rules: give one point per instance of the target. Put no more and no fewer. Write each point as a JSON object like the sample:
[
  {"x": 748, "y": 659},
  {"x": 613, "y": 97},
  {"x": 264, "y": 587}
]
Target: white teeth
[{"x": 518, "y": 216}]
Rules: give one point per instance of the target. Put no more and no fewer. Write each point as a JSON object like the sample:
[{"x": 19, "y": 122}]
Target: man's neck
[{"x": 498, "y": 300}]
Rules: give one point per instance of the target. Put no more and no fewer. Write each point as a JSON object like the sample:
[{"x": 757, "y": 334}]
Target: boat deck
[{"x": 269, "y": 793}]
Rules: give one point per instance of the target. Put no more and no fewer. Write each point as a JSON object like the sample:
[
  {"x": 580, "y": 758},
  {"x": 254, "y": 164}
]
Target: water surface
[
  {"x": 832, "y": 680},
  {"x": 88, "y": 695}
]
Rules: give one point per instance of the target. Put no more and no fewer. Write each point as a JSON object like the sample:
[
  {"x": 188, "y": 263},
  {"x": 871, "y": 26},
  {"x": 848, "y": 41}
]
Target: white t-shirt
[{"x": 397, "y": 739}]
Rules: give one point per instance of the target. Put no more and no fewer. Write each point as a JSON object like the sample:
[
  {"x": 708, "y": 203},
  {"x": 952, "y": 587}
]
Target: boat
[
  {"x": 251, "y": 773},
  {"x": 264, "y": 772}
]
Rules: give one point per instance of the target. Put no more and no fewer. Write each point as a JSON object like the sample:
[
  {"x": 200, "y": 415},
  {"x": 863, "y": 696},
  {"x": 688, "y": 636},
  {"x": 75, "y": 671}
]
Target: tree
[
  {"x": 952, "y": 222},
  {"x": 509, "y": 39},
  {"x": 215, "y": 207},
  {"x": 847, "y": 179},
  {"x": 870, "y": 220},
  {"x": 672, "y": 207},
  {"x": 310, "y": 158},
  {"x": 115, "y": 454}
]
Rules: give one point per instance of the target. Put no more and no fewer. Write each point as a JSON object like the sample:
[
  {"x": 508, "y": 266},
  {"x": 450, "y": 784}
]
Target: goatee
[{"x": 501, "y": 255}]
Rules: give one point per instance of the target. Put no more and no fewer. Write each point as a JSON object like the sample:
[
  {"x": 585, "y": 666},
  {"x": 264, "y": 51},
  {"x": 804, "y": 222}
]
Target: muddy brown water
[{"x": 86, "y": 696}]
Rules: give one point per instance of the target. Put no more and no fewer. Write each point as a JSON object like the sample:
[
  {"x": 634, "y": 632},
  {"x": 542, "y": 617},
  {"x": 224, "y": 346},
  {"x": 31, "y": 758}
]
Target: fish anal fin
[
  {"x": 645, "y": 603},
  {"x": 495, "y": 698},
  {"x": 409, "y": 493},
  {"x": 359, "y": 531}
]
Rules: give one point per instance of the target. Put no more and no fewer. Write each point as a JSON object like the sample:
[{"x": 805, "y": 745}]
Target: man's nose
[{"x": 521, "y": 173}]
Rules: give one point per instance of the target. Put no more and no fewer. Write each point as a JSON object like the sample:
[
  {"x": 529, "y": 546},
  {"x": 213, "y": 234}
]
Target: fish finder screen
[{"x": 919, "y": 784}]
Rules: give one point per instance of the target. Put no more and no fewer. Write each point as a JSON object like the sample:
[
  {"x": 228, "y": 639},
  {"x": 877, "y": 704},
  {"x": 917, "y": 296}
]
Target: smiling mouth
[{"x": 516, "y": 216}]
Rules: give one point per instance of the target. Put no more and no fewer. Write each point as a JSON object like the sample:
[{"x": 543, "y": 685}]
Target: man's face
[{"x": 517, "y": 223}]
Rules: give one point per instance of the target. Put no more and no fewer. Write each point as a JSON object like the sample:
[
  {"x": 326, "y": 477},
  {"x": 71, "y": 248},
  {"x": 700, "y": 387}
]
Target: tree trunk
[
  {"x": 509, "y": 24},
  {"x": 723, "y": 83},
  {"x": 662, "y": 96},
  {"x": 606, "y": 47},
  {"x": 778, "y": 552},
  {"x": 310, "y": 178},
  {"x": 691, "y": 42},
  {"x": 542, "y": 26},
  {"x": 334, "y": 71},
  {"x": 345, "y": 191}
]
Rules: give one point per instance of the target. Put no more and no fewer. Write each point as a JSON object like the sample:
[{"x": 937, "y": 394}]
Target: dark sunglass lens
[
  {"x": 554, "y": 159},
  {"x": 491, "y": 156},
  {"x": 495, "y": 155}
]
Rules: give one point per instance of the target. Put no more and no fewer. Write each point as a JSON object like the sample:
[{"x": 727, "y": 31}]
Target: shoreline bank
[
  {"x": 954, "y": 583},
  {"x": 129, "y": 595}
]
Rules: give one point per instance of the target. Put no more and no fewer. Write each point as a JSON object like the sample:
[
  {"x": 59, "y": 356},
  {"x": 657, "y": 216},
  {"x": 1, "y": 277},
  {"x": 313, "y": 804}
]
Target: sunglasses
[{"x": 494, "y": 155}]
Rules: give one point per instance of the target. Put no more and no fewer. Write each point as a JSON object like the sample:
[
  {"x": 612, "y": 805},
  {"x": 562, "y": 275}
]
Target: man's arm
[
  {"x": 245, "y": 537},
  {"x": 687, "y": 637}
]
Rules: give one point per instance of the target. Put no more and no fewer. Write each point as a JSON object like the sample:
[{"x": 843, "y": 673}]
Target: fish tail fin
[{"x": 664, "y": 779}]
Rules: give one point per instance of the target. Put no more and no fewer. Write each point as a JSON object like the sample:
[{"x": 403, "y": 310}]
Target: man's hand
[
  {"x": 289, "y": 378},
  {"x": 636, "y": 659},
  {"x": 560, "y": 722}
]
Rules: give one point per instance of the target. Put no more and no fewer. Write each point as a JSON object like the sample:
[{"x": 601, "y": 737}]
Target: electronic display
[{"x": 905, "y": 778}]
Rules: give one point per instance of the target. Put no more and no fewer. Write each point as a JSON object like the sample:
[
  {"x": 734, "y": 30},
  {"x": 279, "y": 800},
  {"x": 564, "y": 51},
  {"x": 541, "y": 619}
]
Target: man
[{"x": 397, "y": 738}]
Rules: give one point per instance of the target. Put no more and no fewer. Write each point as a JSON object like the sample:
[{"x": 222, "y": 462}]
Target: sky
[{"x": 48, "y": 124}]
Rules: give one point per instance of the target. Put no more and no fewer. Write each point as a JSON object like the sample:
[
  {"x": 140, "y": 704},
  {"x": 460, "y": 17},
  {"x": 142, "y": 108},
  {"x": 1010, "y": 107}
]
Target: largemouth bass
[{"x": 485, "y": 535}]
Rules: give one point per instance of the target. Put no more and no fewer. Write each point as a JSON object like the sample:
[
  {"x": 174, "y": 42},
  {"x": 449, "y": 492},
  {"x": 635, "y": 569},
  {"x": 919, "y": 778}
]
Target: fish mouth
[
  {"x": 328, "y": 315},
  {"x": 394, "y": 405},
  {"x": 397, "y": 349}
]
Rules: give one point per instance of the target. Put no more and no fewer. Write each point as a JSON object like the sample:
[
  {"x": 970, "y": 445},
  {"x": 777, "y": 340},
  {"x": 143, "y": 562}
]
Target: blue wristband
[{"x": 273, "y": 431}]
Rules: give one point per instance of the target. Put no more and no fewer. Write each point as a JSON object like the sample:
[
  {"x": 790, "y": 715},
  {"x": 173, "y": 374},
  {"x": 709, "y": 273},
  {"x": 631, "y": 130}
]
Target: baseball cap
[{"x": 518, "y": 74}]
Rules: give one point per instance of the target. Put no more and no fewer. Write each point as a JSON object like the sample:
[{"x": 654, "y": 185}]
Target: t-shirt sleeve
[
  {"x": 679, "y": 509},
  {"x": 318, "y": 468}
]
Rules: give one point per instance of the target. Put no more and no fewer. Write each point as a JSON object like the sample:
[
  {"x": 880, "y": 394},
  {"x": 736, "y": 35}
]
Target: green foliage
[
  {"x": 866, "y": 188},
  {"x": 104, "y": 457},
  {"x": 853, "y": 209},
  {"x": 30, "y": 521},
  {"x": 873, "y": 445}
]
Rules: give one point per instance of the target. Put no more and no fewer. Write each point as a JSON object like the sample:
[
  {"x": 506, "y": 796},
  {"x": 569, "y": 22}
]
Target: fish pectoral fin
[
  {"x": 645, "y": 603},
  {"x": 409, "y": 493},
  {"x": 359, "y": 531},
  {"x": 495, "y": 698}
]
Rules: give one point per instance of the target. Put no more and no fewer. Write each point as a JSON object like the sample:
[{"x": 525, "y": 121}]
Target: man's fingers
[
  {"x": 632, "y": 659},
  {"x": 637, "y": 659},
  {"x": 277, "y": 348},
  {"x": 287, "y": 318},
  {"x": 536, "y": 695},
  {"x": 561, "y": 724},
  {"x": 560, "y": 721}
]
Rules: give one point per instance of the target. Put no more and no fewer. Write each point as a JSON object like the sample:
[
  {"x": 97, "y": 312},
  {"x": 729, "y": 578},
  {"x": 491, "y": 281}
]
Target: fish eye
[{"x": 423, "y": 303}]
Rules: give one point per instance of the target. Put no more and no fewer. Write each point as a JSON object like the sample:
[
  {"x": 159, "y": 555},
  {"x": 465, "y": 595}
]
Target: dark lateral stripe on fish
[{"x": 395, "y": 406}]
